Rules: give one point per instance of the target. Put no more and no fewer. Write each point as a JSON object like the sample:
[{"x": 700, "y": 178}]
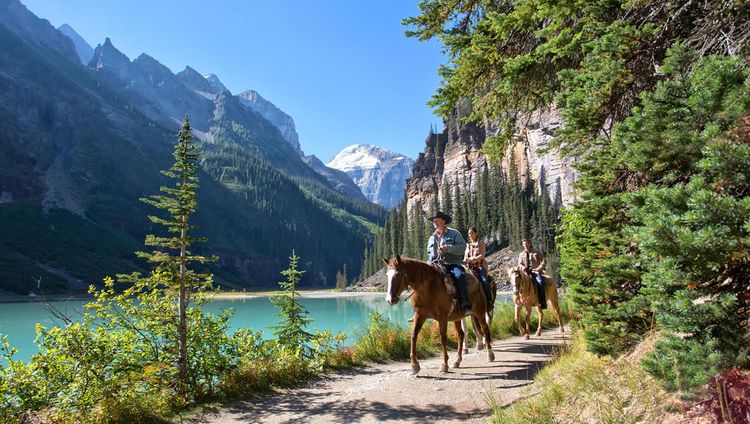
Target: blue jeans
[
  {"x": 482, "y": 274},
  {"x": 540, "y": 289},
  {"x": 460, "y": 279}
]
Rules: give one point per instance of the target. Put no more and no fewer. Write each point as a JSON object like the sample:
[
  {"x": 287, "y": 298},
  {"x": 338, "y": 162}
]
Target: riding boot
[
  {"x": 486, "y": 285},
  {"x": 540, "y": 289},
  {"x": 463, "y": 292}
]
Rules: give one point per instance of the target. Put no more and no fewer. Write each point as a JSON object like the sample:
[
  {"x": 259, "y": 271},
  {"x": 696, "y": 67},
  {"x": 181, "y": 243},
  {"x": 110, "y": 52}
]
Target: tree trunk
[{"x": 182, "y": 307}]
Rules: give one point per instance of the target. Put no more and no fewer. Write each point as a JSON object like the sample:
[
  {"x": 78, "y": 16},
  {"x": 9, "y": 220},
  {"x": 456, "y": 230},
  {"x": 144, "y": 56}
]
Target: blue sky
[{"x": 342, "y": 69}]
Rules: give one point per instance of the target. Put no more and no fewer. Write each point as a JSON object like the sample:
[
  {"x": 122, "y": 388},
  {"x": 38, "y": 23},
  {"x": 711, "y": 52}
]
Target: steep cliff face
[
  {"x": 276, "y": 116},
  {"x": 454, "y": 156},
  {"x": 534, "y": 135},
  {"x": 84, "y": 50}
]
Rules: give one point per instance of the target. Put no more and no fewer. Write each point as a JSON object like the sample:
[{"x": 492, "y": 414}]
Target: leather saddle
[{"x": 472, "y": 284}]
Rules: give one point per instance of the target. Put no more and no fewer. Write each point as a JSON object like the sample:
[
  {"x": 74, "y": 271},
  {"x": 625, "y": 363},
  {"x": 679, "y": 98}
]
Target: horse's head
[
  {"x": 514, "y": 276},
  {"x": 396, "y": 279}
]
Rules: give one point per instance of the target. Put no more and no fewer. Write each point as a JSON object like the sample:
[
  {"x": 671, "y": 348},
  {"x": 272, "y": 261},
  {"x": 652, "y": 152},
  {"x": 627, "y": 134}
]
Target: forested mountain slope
[{"x": 79, "y": 147}]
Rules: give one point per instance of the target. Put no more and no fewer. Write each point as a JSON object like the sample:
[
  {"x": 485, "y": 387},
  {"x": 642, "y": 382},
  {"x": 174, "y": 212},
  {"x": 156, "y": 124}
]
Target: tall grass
[{"x": 578, "y": 386}]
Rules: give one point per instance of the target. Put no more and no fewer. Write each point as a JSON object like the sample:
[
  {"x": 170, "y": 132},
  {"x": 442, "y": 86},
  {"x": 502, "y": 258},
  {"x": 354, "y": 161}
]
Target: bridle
[
  {"x": 515, "y": 275},
  {"x": 393, "y": 268}
]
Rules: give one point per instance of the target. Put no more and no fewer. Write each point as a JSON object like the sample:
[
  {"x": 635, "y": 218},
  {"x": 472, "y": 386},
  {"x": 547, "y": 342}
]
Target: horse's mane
[{"x": 418, "y": 270}]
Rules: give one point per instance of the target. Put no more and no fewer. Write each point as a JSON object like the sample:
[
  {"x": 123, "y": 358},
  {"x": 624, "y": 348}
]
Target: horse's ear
[
  {"x": 398, "y": 259},
  {"x": 385, "y": 261}
]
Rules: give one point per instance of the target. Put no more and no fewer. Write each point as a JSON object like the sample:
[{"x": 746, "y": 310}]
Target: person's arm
[
  {"x": 482, "y": 251},
  {"x": 457, "y": 245},
  {"x": 430, "y": 250},
  {"x": 467, "y": 258},
  {"x": 542, "y": 263}
]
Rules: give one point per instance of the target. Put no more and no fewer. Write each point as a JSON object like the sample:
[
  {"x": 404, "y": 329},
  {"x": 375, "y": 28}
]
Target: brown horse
[
  {"x": 526, "y": 295},
  {"x": 488, "y": 317},
  {"x": 431, "y": 299}
]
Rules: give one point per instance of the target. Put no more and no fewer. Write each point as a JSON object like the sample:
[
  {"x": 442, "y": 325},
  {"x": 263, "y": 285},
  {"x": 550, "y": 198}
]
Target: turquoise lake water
[{"x": 338, "y": 314}]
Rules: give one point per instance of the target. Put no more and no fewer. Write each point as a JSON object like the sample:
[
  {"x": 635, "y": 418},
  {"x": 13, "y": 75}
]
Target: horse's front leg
[
  {"x": 444, "y": 342},
  {"x": 518, "y": 319},
  {"x": 541, "y": 320},
  {"x": 465, "y": 329},
  {"x": 487, "y": 338},
  {"x": 477, "y": 331},
  {"x": 528, "y": 318},
  {"x": 461, "y": 341},
  {"x": 418, "y": 322}
]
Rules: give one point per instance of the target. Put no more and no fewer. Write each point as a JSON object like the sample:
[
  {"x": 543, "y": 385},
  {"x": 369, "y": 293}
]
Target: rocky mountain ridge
[
  {"x": 84, "y": 143},
  {"x": 83, "y": 49},
  {"x": 276, "y": 116},
  {"x": 380, "y": 173},
  {"x": 455, "y": 155}
]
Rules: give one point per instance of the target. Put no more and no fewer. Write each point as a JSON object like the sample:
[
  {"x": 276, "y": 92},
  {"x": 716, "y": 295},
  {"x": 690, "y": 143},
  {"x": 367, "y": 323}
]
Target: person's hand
[{"x": 442, "y": 249}]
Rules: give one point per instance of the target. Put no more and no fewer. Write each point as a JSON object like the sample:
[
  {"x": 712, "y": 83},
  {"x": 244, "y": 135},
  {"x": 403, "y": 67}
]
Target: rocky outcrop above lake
[{"x": 455, "y": 156}]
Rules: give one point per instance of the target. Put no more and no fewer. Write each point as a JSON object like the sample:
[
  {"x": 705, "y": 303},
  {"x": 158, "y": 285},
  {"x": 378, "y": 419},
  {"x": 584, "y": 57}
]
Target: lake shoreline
[
  {"x": 218, "y": 295},
  {"x": 313, "y": 294}
]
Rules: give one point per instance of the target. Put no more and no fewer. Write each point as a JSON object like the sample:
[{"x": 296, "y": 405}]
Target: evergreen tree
[
  {"x": 342, "y": 280},
  {"x": 445, "y": 191},
  {"x": 458, "y": 206},
  {"x": 174, "y": 257},
  {"x": 395, "y": 227},
  {"x": 291, "y": 331},
  {"x": 483, "y": 203},
  {"x": 421, "y": 232}
]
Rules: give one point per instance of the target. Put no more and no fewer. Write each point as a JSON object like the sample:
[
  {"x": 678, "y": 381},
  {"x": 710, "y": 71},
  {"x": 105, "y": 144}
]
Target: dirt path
[{"x": 389, "y": 393}]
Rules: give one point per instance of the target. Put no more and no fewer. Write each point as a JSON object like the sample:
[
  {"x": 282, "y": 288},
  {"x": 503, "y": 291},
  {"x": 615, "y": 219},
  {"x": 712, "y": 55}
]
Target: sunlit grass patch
[{"x": 578, "y": 386}]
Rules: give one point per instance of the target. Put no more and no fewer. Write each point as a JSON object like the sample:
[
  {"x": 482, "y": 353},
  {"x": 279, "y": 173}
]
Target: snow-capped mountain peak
[{"x": 380, "y": 173}]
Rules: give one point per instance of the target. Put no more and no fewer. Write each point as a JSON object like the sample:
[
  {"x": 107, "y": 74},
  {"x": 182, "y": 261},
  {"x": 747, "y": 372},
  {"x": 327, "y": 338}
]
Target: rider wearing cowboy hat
[{"x": 446, "y": 247}]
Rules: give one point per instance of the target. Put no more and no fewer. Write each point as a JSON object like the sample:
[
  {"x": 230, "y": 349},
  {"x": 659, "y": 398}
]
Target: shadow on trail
[
  {"x": 341, "y": 411},
  {"x": 348, "y": 401}
]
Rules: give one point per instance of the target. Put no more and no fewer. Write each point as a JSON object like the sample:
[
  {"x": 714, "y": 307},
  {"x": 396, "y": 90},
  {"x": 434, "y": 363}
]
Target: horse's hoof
[
  {"x": 444, "y": 368},
  {"x": 526, "y": 336},
  {"x": 415, "y": 369},
  {"x": 466, "y": 350},
  {"x": 456, "y": 364},
  {"x": 562, "y": 330},
  {"x": 538, "y": 333},
  {"x": 490, "y": 355},
  {"x": 480, "y": 346}
]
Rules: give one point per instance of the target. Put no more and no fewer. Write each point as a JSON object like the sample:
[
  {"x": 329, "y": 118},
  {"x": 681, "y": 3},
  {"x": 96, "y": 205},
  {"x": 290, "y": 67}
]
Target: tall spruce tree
[{"x": 174, "y": 257}]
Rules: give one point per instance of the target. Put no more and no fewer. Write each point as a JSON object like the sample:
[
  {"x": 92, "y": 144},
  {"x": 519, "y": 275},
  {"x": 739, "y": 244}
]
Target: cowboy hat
[{"x": 442, "y": 215}]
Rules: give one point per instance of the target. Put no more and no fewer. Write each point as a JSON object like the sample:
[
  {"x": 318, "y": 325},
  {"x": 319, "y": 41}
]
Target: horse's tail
[{"x": 551, "y": 288}]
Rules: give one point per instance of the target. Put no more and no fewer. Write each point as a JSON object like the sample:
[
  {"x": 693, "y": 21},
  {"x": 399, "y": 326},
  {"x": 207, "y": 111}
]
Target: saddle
[{"x": 450, "y": 284}]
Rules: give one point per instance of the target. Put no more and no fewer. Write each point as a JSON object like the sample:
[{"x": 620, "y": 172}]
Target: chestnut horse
[
  {"x": 475, "y": 323},
  {"x": 431, "y": 299},
  {"x": 526, "y": 295}
]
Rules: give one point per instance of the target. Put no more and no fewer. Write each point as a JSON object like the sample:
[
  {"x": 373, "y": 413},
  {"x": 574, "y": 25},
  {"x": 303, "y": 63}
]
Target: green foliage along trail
[
  {"x": 655, "y": 102},
  {"x": 145, "y": 349}
]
